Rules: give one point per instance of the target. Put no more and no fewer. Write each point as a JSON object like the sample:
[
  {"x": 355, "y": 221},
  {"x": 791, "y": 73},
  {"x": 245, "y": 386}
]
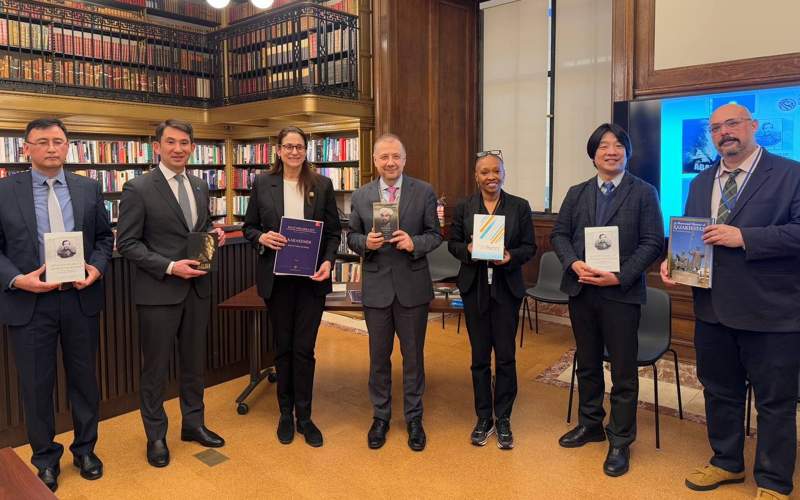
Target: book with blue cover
[
  {"x": 690, "y": 260},
  {"x": 299, "y": 256},
  {"x": 488, "y": 237}
]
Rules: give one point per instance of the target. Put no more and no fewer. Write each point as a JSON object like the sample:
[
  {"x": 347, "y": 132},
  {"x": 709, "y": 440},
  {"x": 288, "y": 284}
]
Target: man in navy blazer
[
  {"x": 748, "y": 324},
  {"x": 39, "y": 313}
]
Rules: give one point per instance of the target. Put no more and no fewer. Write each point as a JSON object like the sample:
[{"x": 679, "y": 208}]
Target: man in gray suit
[
  {"x": 158, "y": 210},
  {"x": 396, "y": 288}
]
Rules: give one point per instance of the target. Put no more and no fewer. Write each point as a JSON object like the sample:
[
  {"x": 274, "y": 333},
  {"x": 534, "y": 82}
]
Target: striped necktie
[{"x": 728, "y": 197}]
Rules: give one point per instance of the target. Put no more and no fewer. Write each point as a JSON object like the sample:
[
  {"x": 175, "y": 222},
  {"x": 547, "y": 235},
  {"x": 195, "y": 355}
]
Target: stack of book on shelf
[
  {"x": 11, "y": 150},
  {"x": 240, "y": 205},
  {"x": 208, "y": 154},
  {"x": 255, "y": 153},
  {"x": 332, "y": 149},
  {"x": 109, "y": 152},
  {"x": 243, "y": 177},
  {"x": 343, "y": 178},
  {"x": 214, "y": 178},
  {"x": 346, "y": 272},
  {"x": 111, "y": 181},
  {"x": 217, "y": 206}
]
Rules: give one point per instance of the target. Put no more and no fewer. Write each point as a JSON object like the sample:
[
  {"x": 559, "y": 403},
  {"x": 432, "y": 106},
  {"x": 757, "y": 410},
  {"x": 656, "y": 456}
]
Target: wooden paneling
[
  {"x": 118, "y": 359},
  {"x": 425, "y": 60}
]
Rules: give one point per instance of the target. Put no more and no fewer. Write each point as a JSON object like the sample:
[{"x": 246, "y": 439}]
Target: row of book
[
  {"x": 239, "y": 12},
  {"x": 343, "y": 248},
  {"x": 101, "y": 151},
  {"x": 208, "y": 154},
  {"x": 215, "y": 178},
  {"x": 111, "y": 181},
  {"x": 260, "y": 153},
  {"x": 346, "y": 272},
  {"x": 187, "y": 8},
  {"x": 240, "y": 205},
  {"x": 344, "y": 179},
  {"x": 255, "y": 53},
  {"x": 24, "y": 35},
  {"x": 217, "y": 206},
  {"x": 243, "y": 178},
  {"x": 333, "y": 72},
  {"x": 332, "y": 149}
]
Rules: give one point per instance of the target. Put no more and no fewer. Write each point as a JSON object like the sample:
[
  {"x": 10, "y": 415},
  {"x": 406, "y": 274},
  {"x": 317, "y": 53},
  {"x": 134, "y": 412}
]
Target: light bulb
[
  {"x": 218, "y": 4},
  {"x": 262, "y": 4}
]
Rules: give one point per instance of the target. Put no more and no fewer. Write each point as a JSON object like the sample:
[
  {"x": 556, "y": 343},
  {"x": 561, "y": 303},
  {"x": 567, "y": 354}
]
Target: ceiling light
[
  {"x": 218, "y": 4},
  {"x": 262, "y": 4}
]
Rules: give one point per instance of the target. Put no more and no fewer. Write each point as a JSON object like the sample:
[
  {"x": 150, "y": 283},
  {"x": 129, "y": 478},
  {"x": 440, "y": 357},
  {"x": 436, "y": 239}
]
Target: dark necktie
[
  {"x": 728, "y": 197},
  {"x": 183, "y": 201}
]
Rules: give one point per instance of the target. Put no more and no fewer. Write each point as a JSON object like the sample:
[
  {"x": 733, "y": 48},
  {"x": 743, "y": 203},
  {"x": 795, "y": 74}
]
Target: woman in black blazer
[
  {"x": 492, "y": 292},
  {"x": 291, "y": 188}
]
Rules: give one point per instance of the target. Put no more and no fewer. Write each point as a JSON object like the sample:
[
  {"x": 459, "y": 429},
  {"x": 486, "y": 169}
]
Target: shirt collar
[
  {"x": 748, "y": 164},
  {"x": 398, "y": 184},
  {"x": 616, "y": 180},
  {"x": 169, "y": 174},
  {"x": 40, "y": 178}
]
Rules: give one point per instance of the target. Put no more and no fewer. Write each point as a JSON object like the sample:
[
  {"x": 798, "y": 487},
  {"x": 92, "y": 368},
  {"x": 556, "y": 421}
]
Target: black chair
[
  {"x": 444, "y": 269},
  {"x": 655, "y": 335},
  {"x": 547, "y": 289},
  {"x": 749, "y": 409}
]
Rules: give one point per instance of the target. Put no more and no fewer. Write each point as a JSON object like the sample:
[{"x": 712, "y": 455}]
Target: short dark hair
[
  {"x": 44, "y": 123},
  {"x": 173, "y": 123},
  {"x": 597, "y": 136}
]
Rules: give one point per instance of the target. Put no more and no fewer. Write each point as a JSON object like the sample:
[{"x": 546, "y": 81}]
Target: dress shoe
[
  {"x": 311, "y": 432},
  {"x": 376, "y": 437},
  {"x": 204, "y": 436},
  {"x": 767, "y": 494},
  {"x": 505, "y": 439},
  {"x": 286, "y": 428},
  {"x": 617, "y": 461},
  {"x": 91, "y": 467},
  {"x": 581, "y": 435},
  {"x": 482, "y": 431},
  {"x": 416, "y": 434},
  {"x": 49, "y": 476},
  {"x": 711, "y": 477},
  {"x": 158, "y": 453}
]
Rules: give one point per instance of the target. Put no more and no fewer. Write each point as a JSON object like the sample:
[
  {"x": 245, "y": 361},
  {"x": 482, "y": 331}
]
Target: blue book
[{"x": 299, "y": 256}]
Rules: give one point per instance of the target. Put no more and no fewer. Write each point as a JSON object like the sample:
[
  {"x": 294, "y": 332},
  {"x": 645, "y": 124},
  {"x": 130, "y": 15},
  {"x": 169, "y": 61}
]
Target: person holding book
[
  {"x": 292, "y": 189},
  {"x": 158, "y": 212},
  {"x": 492, "y": 291},
  {"x": 604, "y": 306},
  {"x": 396, "y": 282},
  {"x": 747, "y": 325},
  {"x": 41, "y": 315}
]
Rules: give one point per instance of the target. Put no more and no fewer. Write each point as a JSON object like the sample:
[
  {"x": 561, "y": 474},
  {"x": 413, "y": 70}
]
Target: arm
[
  {"x": 333, "y": 227},
  {"x": 561, "y": 236},
  {"x": 130, "y": 230},
  {"x": 457, "y": 244},
  {"x": 527, "y": 241},
  {"x": 651, "y": 240},
  {"x": 431, "y": 237},
  {"x": 8, "y": 270},
  {"x": 103, "y": 236}
]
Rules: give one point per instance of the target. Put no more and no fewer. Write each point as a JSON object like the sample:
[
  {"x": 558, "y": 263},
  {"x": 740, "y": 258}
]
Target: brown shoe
[
  {"x": 710, "y": 477},
  {"x": 765, "y": 494}
]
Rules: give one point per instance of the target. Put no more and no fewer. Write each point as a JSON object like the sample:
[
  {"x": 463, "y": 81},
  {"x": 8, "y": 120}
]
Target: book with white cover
[
  {"x": 488, "y": 237},
  {"x": 602, "y": 248},
  {"x": 63, "y": 257}
]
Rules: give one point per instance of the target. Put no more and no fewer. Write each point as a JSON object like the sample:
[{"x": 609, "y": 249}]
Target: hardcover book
[
  {"x": 689, "y": 259},
  {"x": 63, "y": 257},
  {"x": 488, "y": 237},
  {"x": 385, "y": 219},
  {"x": 299, "y": 256},
  {"x": 202, "y": 247},
  {"x": 602, "y": 248}
]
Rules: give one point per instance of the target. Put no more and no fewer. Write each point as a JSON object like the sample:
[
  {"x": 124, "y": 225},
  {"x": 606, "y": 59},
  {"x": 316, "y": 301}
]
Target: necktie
[
  {"x": 728, "y": 197},
  {"x": 608, "y": 187},
  {"x": 54, "y": 209},
  {"x": 183, "y": 201},
  {"x": 392, "y": 196}
]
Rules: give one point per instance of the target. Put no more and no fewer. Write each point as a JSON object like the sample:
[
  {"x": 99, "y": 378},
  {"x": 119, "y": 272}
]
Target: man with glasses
[
  {"x": 396, "y": 284},
  {"x": 39, "y": 314},
  {"x": 747, "y": 326}
]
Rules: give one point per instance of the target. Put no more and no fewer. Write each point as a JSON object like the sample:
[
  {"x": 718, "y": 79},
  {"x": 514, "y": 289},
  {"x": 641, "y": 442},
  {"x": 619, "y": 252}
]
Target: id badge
[{"x": 489, "y": 273}]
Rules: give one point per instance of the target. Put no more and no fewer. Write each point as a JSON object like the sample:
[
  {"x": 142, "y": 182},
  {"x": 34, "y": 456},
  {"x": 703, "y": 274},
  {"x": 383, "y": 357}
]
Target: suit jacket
[
  {"x": 519, "y": 241},
  {"x": 635, "y": 210},
  {"x": 755, "y": 288},
  {"x": 152, "y": 232},
  {"x": 264, "y": 211},
  {"x": 19, "y": 242},
  {"x": 388, "y": 272}
]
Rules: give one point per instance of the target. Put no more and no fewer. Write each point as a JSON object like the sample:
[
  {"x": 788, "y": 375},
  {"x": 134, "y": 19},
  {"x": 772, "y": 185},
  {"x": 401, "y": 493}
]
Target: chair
[
  {"x": 547, "y": 289},
  {"x": 444, "y": 268},
  {"x": 749, "y": 409},
  {"x": 655, "y": 335}
]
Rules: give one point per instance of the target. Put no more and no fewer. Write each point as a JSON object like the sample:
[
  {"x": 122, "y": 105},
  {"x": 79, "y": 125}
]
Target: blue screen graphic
[{"x": 686, "y": 145}]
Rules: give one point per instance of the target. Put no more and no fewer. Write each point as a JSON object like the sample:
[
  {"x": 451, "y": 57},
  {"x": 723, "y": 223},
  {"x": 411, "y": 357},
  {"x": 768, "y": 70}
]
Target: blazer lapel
[
  {"x": 622, "y": 192},
  {"x": 162, "y": 187},
  {"x": 589, "y": 198},
  {"x": 759, "y": 176},
  {"x": 24, "y": 194},
  {"x": 705, "y": 186},
  {"x": 407, "y": 194},
  {"x": 310, "y": 202},
  {"x": 510, "y": 221},
  {"x": 76, "y": 196},
  {"x": 200, "y": 202},
  {"x": 276, "y": 191}
]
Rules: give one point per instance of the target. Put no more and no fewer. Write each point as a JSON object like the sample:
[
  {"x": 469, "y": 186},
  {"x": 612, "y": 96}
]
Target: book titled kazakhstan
[
  {"x": 299, "y": 256},
  {"x": 690, "y": 260},
  {"x": 488, "y": 237}
]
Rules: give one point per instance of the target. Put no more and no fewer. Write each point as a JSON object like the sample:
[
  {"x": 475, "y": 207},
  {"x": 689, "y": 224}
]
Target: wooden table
[
  {"x": 18, "y": 481},
  {"x": 249, "y": 301}
]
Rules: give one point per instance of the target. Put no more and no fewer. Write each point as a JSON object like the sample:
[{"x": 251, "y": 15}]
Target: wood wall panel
[{"x": 118, "y": 359}]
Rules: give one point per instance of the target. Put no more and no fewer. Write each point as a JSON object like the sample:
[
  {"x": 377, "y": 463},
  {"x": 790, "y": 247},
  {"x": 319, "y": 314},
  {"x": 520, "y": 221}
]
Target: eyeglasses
[
  {"x": 43, "y": 143},
  {"x": 293, "y": 147},
  {"x": 386, "y": 157},
  {"x": 490, "y": 152},
  {"x": 730, "y": 123}
]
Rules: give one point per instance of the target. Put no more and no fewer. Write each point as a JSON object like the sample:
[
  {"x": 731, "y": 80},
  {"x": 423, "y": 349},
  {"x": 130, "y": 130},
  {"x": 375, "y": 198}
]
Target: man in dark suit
[
  {"x": 605, "y": 307},
  {"x": 158, "y": 210},
  {"x": 747, "y": 325},
  {"x": 40, "y": 314},
  {"x": 396, "y": 285}
]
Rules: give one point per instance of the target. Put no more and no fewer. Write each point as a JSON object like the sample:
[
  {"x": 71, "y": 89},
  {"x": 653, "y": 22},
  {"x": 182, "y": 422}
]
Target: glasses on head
[
  {"x": 729, "y": 123},
  {"x": 43, "y": 143},
  {"x": 386, "y": 157},
  {"x": 492, "y": 152},
  {"x": 293, "y": 147}
]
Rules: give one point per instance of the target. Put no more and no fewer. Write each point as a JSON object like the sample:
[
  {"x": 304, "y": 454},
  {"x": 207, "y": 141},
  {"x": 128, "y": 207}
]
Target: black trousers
[
  {"x": 295, "y": 313},
  {"x": 57, "y": 316},
  {"x": 159, "y": 326},
  {"x": 726, "y": 358},
  {"x": 597, "y": 323},
  {"x": 410, "y": 324},
  {"x": 493, "y": 327}
]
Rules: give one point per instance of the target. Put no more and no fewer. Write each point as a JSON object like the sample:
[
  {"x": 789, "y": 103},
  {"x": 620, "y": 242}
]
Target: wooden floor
[{"x": 257, "y": 466}]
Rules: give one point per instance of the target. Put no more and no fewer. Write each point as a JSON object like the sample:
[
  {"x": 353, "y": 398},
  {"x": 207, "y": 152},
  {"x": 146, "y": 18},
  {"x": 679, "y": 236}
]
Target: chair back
[
  {"x": 655, "y": 325},
  {"x": 442, "y": 264},
  {"x": 550, "y": 270}
]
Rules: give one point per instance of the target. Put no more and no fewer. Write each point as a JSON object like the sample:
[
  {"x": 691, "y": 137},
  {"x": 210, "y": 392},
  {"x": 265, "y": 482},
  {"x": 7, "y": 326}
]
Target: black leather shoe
[
  {"x": 311, "y": 432},
  {"x": 91, "y": 467},
  {"x": 376, "y": 437},
  {"x": 158, "y": 453},
  {"x": 416, "y": 435},
  {"x": 49, "y": 476},
  {"x": 617, "y": 461},
  {"x": 482, "y": 431},
  {"x": 204, "y": 436},
  {"x": 505, "y": 439},
  {"x": 286, "y": 428},
  {"x": 581, "y": 435}
]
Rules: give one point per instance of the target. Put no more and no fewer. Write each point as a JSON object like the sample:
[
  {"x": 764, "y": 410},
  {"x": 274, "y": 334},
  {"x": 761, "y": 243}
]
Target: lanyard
[{"x": 730, "y": 203}]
